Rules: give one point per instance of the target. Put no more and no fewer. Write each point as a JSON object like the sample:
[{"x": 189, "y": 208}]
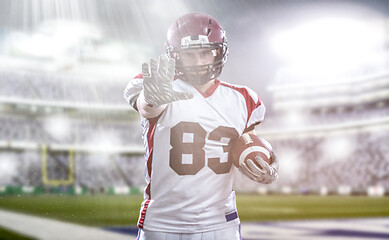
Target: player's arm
[
  {"x": 147, "y": 110},
  {"x": 158, "y": 87}
]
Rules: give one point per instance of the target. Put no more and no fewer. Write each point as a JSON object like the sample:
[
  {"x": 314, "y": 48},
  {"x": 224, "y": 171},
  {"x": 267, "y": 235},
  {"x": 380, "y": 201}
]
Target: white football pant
[{"x": 231, "y": 233}]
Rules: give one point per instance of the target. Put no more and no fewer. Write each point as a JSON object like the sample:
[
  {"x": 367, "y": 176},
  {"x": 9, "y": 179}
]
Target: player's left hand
[{"x": 265, "y": 174}]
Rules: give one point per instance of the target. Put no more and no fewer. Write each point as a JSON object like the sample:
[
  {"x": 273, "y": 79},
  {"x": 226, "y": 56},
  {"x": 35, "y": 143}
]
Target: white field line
[{"x": 48, "y": 229}]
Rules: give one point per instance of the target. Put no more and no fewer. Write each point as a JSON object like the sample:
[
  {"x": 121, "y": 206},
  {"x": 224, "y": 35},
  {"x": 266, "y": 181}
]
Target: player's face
[
  {"x": 198, "y": 62},
  {"x": 197, "y": 57}
]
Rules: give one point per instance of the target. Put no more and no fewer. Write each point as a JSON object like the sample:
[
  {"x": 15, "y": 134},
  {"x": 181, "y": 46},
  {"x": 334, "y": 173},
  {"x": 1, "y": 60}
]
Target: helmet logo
[{"x": 194, "y": 40}]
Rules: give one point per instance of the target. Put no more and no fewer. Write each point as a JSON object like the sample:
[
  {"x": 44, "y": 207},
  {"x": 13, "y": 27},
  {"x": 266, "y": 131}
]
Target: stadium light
[
  {"x": 114, "y": 52},
  {"x": 291, "y": 163},
  {"x": 294, "y": 118},
  {"x": 105, "y": 141},
  {"x": 54, "y": 38},
  {"x": 8, "y": 168},
  {"x": 337, "y": 148},
  {"x": 58, "y": 126},
  {"x": 333, "y": 45},
  {"x": 36, "y": 45}
]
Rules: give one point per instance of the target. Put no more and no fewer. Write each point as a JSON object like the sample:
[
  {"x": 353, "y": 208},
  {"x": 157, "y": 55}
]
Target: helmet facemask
[{"x": 200, "y": 74}]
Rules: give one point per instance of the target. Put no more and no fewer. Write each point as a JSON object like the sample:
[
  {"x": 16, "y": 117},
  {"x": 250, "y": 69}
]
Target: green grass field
[{"x": 103, "y": 210}]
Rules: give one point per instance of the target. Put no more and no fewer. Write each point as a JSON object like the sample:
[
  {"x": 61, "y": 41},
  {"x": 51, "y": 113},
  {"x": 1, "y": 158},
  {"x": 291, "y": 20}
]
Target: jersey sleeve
[
  {"x": 255, "y": 110},
  {"x": 133, "y": 89}
]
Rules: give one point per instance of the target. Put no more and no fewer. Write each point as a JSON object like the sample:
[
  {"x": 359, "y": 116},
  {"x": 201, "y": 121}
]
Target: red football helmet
[{"x": 193, "y": 31}]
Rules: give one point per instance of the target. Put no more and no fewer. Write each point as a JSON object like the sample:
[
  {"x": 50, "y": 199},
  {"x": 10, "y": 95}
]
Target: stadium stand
[
  {"x": 61, "y": 131},
  {"x": 54, "y": 87},
  {"x": 58, "y": 131},
  {"x": 331, "y": 145}
]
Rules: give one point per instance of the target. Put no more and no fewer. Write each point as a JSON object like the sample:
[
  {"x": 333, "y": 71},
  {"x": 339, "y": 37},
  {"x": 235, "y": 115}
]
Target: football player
[{"x": 190, "y": 121}]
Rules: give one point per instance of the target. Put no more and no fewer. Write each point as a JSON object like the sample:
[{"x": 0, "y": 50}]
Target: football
[{"x": 248, "y": 146}]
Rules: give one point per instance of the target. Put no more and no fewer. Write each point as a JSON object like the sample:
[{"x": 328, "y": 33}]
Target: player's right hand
[
  {"x": 158, "y": 82},
  {"x": 266, "y": 173}
]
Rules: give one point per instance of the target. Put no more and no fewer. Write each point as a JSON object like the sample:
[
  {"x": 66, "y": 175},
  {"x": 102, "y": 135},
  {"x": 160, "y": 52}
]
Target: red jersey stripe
[
  {"x": 143, "y": 214},
  {"x": 211, "y": 89},
  {"x": 140, "y": 75},
  {"x": 150, "y": 142},
  {"x": 250, "y": 103}
]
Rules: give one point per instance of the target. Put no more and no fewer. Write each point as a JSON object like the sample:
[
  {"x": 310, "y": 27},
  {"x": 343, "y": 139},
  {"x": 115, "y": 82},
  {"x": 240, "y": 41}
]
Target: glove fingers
[
  {"x": 153, "y": 66},
  {"x": 274, "y": 159},
  {"x": 254, "y": 167},
  {"x": 171, "y": 68},
  {"x": 182, "y": 95},
  {"x": 261, "y": 178},
  {"x": 264, "y": 165},
  {"x": 245, "y": 170},
  {"x": 163, "y": 65},
  {"x": 251, "y": 170},
  {"x": 145, "y": 70},
  {"x": 158, "y": 87}
]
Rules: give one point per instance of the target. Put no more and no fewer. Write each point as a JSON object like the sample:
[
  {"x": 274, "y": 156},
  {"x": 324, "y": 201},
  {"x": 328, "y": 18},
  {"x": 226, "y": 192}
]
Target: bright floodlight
[
  {"x": 294, "y": 118},
  {"x": 105, "y": 140},
  {"x": 337, "y": 149},
  {"x": 8, "y": 168},
  {"x": 57, "y": 126},
  {"x": 55, "y": 37},
  {"x": 291, "y": 163},
  {"x": 329, "y": 44}
]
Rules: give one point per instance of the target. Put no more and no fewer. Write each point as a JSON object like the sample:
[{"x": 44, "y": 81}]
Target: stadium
[{"x": 71, "y": 148}]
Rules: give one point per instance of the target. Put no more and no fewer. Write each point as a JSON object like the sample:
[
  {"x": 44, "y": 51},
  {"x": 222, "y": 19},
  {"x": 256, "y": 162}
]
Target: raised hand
[{"x": 158, "y": 82}]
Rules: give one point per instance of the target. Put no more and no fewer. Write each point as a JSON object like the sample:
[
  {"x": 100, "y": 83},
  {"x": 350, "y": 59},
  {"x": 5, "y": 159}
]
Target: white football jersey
[{"x": 188, "y": 170}]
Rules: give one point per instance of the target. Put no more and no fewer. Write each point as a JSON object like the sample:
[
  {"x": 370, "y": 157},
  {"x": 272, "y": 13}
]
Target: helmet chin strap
[{"x": 197, "y": 78}]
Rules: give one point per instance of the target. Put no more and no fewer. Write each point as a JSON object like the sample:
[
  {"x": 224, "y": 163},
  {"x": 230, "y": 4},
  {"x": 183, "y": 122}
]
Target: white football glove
[
  {"x": 158, "y": 86},
  {"x": 266, "y": 174}
]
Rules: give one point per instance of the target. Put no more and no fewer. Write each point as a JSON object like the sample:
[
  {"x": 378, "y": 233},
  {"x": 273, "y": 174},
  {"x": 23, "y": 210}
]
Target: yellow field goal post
[{"x": 57, "y": 182}]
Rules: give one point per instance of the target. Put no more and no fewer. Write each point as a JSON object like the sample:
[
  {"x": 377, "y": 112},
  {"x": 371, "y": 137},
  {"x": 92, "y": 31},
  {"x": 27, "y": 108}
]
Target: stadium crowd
[
  {"x": 307, "y": 163},
  {"x": 79, "y": 131},
  {"x": 61, "y": 88}
]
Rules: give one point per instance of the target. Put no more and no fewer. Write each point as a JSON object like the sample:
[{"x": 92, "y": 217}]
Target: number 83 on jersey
[{"x": 188, "y": 140}]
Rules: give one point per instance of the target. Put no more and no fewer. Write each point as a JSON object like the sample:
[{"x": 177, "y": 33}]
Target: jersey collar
[{"x": 210, "y": 90}]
